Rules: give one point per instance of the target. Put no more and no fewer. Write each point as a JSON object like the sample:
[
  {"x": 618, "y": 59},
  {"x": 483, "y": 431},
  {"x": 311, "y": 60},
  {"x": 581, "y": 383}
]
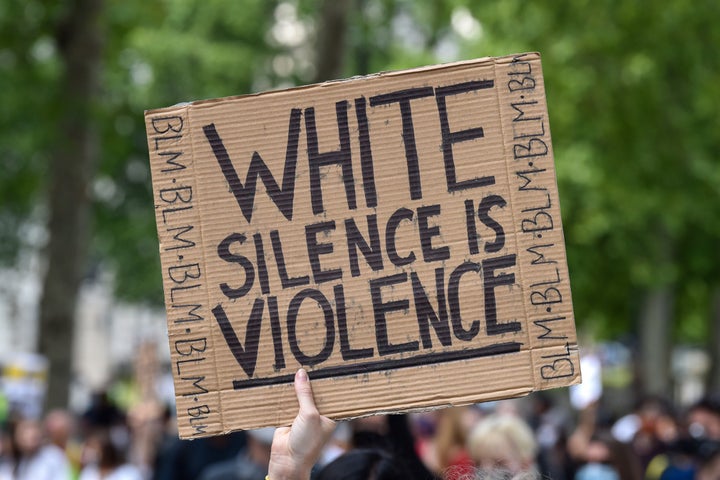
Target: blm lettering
[
  {"x": 177, "y": 220},
  {"x": 538, "y": 223}
]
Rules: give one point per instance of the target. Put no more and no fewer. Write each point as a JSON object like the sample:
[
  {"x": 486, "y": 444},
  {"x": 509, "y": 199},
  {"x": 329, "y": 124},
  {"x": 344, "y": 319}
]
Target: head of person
[
  {"x": 370, "y": 432},
  {"x": 503, "y": 442},
  {"x": 59, "y": 427},
  {"x": 102, "y": 451},
  {"x": 363, "y": 464},
  {"x": 27, "y": 437},
  {"x": 259, "y": 444},
  {"x": 606, "y": 458},
  {"x": 703, "y": 419}
]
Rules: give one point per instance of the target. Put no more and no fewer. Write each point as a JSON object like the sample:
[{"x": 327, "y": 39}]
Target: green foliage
[
  {"x": 28, "y": 71},
  {"x": 632, "y": 91},
  {"x": 159, "y": 55}
]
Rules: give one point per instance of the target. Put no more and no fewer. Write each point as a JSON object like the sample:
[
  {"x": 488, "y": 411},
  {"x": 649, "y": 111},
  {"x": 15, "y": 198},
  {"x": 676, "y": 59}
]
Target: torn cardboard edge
[{"x": 195, "y": 150}]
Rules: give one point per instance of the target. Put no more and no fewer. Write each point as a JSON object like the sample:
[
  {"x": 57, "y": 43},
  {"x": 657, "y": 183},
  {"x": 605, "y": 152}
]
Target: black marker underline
[{"x": 380, "y": 365}]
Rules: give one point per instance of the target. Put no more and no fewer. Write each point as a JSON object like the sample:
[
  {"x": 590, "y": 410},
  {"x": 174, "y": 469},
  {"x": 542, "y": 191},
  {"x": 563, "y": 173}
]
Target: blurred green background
[{"x": 633, "y": 89}]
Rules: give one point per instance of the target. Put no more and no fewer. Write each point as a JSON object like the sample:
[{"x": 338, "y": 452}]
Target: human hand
[{"x": 296, "y": 448}]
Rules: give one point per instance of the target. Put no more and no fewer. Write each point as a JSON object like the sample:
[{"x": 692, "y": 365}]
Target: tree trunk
[
  {"x": 72, "y": 166},
  {"x": 713, "y": 382},
  {"x": 331, "y": 39},
  {"x": 655, "y": 340}
]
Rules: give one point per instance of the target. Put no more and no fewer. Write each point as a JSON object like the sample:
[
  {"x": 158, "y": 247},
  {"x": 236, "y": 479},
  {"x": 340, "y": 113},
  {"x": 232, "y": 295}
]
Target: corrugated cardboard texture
[{"x": 398, "y": 235}]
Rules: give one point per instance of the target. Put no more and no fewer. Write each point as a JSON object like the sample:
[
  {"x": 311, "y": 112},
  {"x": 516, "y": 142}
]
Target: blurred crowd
[{"x": 538, "y": 434}]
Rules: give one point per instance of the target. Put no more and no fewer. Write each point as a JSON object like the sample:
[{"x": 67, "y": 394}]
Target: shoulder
[
  {"x": 51, "y": 454},
  {"x": 49, "y": 463},
  {"x": 126, "y": 472}
]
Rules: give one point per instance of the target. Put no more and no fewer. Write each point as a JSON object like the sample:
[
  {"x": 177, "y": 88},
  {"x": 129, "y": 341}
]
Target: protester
[
  {"x": 386, "y": 446},
  {"x": 30, "y": 458},
  {"x": 106, "y": 460},
  {"x": 250, "y": 464},
  {"x": 364, "y": 464},
  {"x": 391, "y": 434},
  {"x": 60, "y": 427},
  {"x": 703, "y": 419},
  {"x": 453, "y": 459},
  {"x": 694, "y": 453},
  {"x": 598, "y": 454},
  {"x": 549, "y": 421},
  {"x": 186, "y": 460},
  {"x": 296, "y": 448},
  {"x": 503, "y": 441}
]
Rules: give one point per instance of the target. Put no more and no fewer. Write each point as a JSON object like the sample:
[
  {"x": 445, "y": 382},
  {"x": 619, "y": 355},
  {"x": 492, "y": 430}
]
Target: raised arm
[{"x": 296, "y": 448}]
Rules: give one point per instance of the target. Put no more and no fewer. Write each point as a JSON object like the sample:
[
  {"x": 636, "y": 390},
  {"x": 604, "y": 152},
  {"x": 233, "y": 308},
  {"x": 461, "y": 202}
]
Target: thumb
[{"x": 303, "y": 390}]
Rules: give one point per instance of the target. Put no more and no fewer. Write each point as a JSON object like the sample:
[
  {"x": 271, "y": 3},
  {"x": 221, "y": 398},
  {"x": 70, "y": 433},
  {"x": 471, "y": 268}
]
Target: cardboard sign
[{"x": 398, "y": 235}]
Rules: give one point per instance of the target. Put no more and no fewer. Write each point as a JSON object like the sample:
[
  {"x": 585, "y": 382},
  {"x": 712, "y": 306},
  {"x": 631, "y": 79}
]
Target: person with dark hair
[
  {"x": 363, "y": 464},
  {"x": 186, "y": 459},
  {"x": 106, "y": 460},
  {"x": 102, "y": 413},
  {"x": 598, "y": 454},
  {"x": 31, "y": 457},
  {"x": 703, "y": 419},
  {"x": 249, "y": 464},
  {"x": 392, "y": 435},
  {"x": 696, "y": 445}
]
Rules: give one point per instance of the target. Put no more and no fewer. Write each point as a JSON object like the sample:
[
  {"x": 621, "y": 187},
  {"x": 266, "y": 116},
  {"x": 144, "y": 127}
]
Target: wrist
[
  {"x": 286, "y": 469},
  {"x": 278, "y": 474}
]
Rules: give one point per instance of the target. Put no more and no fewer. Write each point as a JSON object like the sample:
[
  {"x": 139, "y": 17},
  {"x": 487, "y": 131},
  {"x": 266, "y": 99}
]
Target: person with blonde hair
[{"x": 502, "y": 441}]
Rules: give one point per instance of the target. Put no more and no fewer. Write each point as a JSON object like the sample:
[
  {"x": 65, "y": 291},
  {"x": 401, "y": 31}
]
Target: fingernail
[{"x": 301, "y": 375}]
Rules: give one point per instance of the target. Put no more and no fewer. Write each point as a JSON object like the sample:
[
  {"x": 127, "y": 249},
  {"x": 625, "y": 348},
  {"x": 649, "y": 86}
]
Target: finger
[{"x": 303, "y": 390}]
